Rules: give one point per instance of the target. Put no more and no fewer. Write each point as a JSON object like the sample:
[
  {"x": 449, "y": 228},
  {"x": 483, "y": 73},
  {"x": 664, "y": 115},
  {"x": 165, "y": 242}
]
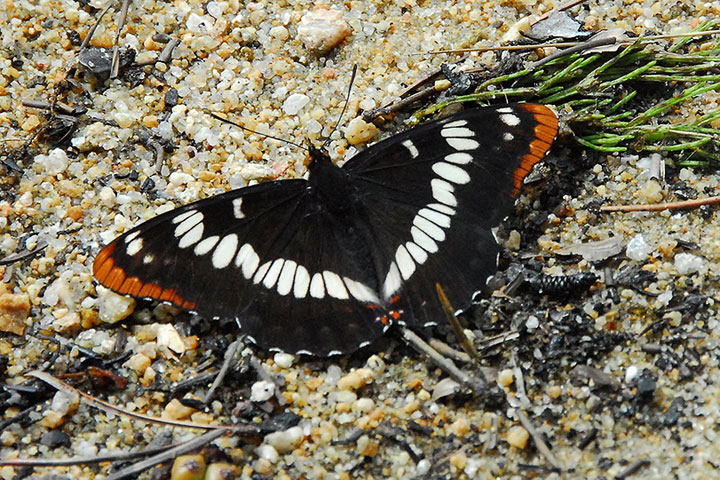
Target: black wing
[{"x": 434, "y": 194}]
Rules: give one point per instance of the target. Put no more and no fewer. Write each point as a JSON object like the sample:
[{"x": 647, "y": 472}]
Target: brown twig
[
  {"x": 657, "y": 207},
  {"x": 465, "y": 343}
]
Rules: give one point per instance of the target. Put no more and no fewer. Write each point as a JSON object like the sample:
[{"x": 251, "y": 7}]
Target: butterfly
[{"x": 325, "y": 265}]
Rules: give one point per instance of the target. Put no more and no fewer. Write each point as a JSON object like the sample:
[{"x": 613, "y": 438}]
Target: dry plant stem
[
  {"x": 478, "y": 384},
  {"x": 195, "y": 443},
  {"x": 455, "y": 324},
  {"x": 109, "y": 408},
  {"x": 115, "y": 67},
  {"x": 445, "y": 349},
  {"x": 229, "y": 356},
  {"x": 61, "y": 462},
  {"x": 698, "y": 202},
  {"x": 537, "y": 438},
  {"x": 91, "y": 32},
  {"x": 562, "y": 7}
]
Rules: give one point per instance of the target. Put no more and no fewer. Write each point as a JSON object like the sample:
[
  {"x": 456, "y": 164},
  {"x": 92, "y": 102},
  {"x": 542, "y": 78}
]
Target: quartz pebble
[
  {"x": 188, "y": 467},
  {"x": 358, "y": 131},
  {"x": 14, "y": 310},
  {"x": 322, "y": 29},
  {"x": 517, "y": 436},
  {"x": 356, "y": 379},
  {"x": 112, "y": 307},
  {"x": 637, "y": 248},
  {"x": 262, "y": 391},
  {"x": 286, "y": 440}
]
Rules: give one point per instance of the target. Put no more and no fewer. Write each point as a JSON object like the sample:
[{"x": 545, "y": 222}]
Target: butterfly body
[{"x": 324, "y": 265}]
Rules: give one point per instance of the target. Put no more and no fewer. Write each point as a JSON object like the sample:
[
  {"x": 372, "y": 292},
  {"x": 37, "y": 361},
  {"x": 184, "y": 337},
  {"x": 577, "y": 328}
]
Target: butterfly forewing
[{"x": 324, "y": 268}]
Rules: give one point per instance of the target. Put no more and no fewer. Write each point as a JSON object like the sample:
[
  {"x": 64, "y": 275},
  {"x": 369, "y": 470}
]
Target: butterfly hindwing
[{"x": 323, "y": 265}]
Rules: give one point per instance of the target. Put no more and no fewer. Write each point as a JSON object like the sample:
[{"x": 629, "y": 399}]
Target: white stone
[
  {"x": 687, "y": 263},
  {"x": 262, "y": 391},
  {"x": 637, "y": 248},
  {"x": 294, "y": 103},
  {"x": 322, "y": 29}
]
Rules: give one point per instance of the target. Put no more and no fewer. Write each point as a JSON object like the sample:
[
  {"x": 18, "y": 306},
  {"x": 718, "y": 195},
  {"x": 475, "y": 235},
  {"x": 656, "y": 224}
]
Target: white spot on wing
[
  {"x": 134, "y": 247},
  {"x": 148, "y": 258},
  {"x": 436, "y": 217},
  {"x": 132, "y": 236},
  {"x": 460, "y": 158},
  {"x": 456, "y": 123},
  {"x": 451, "y": 173},
  {"x": 273, "y": 273},
  {"x": 302, "y": 282},
  {"x": 417, "y": 253},
  {"x": 247, "y": 259},
  {"x": 317, "y": 286},
  {"x": 334, "y": 285},
  {"x": 423, "y": 240},
  {"x": 184, "y": 216},
  {"x": 435, "y": 232},
  {"x": 285, "y": 281},
  {"x": 225, "y": 251},
  {"x": 206, "y": 245},
  {"x": 508, "y": 137},
  {"x": 237, "y": 208},
  {"x": 260, "y": 272},
  {"x": 442, "y": 208},
  {"x": 462, "y": 143},
  {"x": 191, "y": 237},
  {"x": 504, "y": 110},
  {"x": 393, "y": 281},
  {"x": 405, "y": 262},
  {"x": 456, "y": 132},
  {"x": 361, "y": 291},
  {"x": 510, "y": 119},
  {"x": 411, "y": 147},
  {"x": 188, "y": 223},
  {"x": 443, "y": 192}
]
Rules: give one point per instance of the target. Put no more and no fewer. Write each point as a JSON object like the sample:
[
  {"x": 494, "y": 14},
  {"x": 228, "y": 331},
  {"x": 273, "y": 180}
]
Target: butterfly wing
[
  {"x": 270, "y": 255},
  {"x": 438, "y": 191}
]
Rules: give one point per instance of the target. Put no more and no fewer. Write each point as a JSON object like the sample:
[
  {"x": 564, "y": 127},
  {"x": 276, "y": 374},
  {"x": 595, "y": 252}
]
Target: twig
[
  {"x": 115, "y": 67},
  {"x": 193, "y": 444},
  {"x": 229, "y": 357},
  {"x": 632, "y": 468},
  {"x": 657, "y": 207},
  {"x": 445, "y": 349},
  {"x": 465, "y": 343},
  {"x": 59, "y": 462},
  {"x": 539, "y": 442},
  {"x": 109, "y": 408},
  {"x": 91, "y": 32},
  {"x": 478, "y": 383}
]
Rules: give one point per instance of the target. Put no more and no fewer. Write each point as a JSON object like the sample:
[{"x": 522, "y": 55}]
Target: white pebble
[
  {"x": 637, "y": 248},
  {"x": 687, "y": 263},
  {"x": 631, "y": 373},
  {"x": 283, "y": 360},
  {"x": 54, "y": 162},
  {"x": 532, "y": 322},
  {"x": 285, "y": 441},
  {"x": 268, "y": 453},
  {"x": 322, "y": 29},
  {"x": 113, "y": 307},
  {"x": 62, "y": 402},
  {"x": 262, "y": 391},
  {"x": 294, "y": 103}
]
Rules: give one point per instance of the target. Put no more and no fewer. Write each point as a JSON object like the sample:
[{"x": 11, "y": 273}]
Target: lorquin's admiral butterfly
[{"x": 324, "y": 265}]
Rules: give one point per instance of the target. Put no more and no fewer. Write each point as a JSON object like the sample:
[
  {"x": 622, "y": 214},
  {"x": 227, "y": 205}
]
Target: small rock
[
  {"x": 14, "y": 310},
  {"x": 322, "y": 29},
  {"x": 285, "y": 441},
  {"x": 458, "y": 460},
  {"x": 262, "y": 391},
  {"x": 367, "y": 446},
  {"x": 506, "y": 377},
  {"x": 518, "y": 437},
  {"x": 283, "y": 360},
  {"x": 221, "y": 471},
  {"x": 168, "y": 337},
  {"x": 356, "y": 379},
  {"x": 267, "y": 452},
  {"x": 188, "y": 467},
  {"x": 294, "y": 103},
  {"x": 687, "y": 263},
  {"x": 177, "y": 411},
  {"x": 139, "y": 363},
  {"x": 55, "y": 438},
  {"x": 637, "y": 248},
  {"x": 459, "y": 427},
  {"x": 651, "y": 192},
  {"x": 358, "y": 131},
  {"x": 54, "y": 162},
  {"x": 112, "y": 307},
  {"x": 65, "y": 402},
  {"x": 599, "y": 378}
]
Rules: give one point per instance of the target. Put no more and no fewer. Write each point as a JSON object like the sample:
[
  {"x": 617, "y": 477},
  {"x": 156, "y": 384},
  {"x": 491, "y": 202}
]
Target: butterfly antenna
[
  {"x": 347, "y": 100},
  {"x": 225, "y": 120}
]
